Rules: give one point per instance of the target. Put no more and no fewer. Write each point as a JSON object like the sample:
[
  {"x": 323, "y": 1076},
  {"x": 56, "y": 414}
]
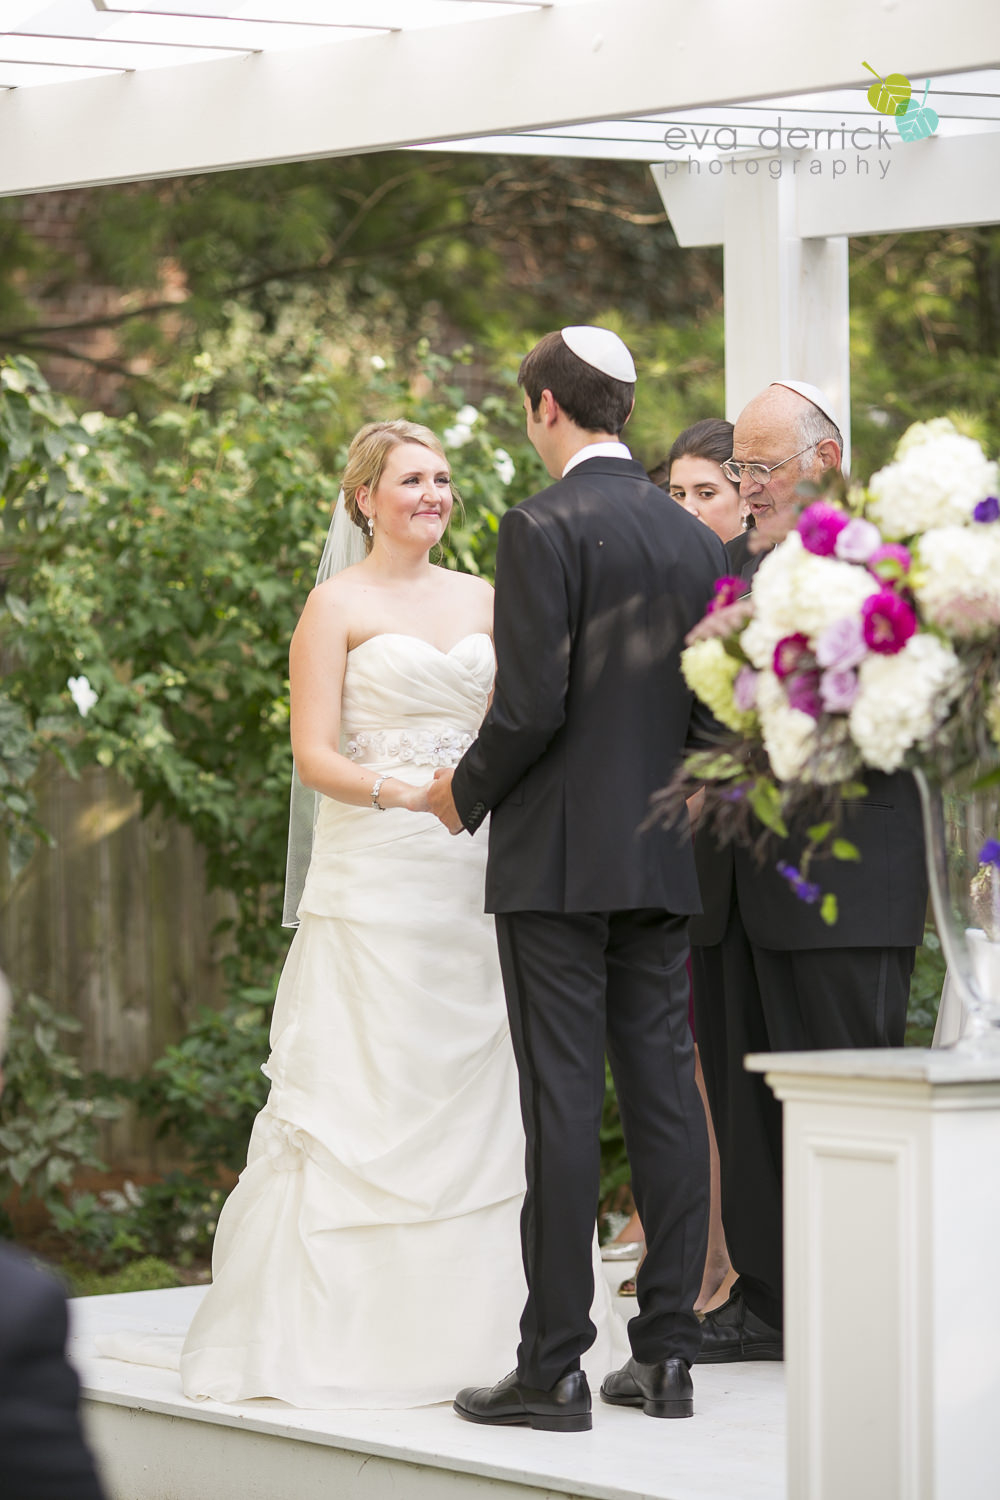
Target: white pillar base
[{"x": 892, "y": 1318}]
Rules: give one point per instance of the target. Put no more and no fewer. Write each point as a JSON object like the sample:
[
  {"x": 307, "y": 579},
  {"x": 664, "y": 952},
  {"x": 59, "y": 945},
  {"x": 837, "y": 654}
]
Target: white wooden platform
[{"x": 154, "y": 1444}]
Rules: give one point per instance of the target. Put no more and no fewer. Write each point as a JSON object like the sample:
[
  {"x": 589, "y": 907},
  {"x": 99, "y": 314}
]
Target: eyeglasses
[{"x": 759, "y": 473}]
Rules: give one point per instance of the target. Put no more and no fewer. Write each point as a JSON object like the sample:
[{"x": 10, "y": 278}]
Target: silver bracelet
[{"x": 375, "y": 791}]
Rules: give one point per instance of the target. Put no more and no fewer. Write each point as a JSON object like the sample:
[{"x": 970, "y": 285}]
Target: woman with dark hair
[{"x": 694, "y": 477}]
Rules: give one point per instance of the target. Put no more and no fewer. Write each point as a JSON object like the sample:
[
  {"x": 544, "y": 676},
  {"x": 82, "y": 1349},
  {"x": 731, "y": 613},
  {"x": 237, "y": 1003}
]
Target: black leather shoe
[
  {"x": 732, "y": 1332},
  {"x": 662, "y": 1390},
  {"x": 565, "y": 1408}
]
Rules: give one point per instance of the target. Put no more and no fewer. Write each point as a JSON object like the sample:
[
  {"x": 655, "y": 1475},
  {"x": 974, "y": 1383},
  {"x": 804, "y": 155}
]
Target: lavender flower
[
  {"x": 888, "y": 622},
  {"x": 841, "y": 644},
  {"x": 987, "y": 510},
  {"x": 819, "y": 527},
  {"x": 857, "y": 541},
  {"x": 838, "y": 689},
  {"x": 989, "y": 854},
  {"x": 745, "y": 689},
  {"x": 788, "y": 653},
  {"x": 803, "y": 693},
  {"x": 804, "y": 889}
]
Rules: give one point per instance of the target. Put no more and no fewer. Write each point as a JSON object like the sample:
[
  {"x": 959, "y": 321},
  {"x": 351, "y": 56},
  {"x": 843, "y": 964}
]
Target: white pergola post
[
  {"x": 892, "y": 1326},
  {"x": 786, "y": 297}
]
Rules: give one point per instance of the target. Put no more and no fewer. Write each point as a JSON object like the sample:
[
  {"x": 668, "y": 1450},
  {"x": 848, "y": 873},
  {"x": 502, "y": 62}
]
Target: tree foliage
[{"x": 170, "y": 571}]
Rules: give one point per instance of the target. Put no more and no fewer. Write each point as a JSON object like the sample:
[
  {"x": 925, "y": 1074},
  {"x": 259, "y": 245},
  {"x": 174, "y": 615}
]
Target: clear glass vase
[{"x": 962, "y": 825}]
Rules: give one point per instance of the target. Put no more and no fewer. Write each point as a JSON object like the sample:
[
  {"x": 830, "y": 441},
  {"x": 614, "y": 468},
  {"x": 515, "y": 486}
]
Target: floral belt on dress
[{"x": 422, "y": 747}]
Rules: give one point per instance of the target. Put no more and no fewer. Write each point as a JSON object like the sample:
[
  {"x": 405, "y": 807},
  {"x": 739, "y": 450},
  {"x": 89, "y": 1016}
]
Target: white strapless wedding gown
[{"x": 370, "y": 1254}]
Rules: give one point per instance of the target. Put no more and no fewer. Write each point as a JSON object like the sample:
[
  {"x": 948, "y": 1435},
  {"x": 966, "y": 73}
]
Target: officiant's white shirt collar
[{"x": 597, "y": 450}]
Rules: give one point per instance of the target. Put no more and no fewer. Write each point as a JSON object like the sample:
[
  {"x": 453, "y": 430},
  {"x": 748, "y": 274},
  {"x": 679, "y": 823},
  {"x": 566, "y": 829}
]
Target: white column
[
  {"x": 892, "y": 1320},
  {"x": 786, "y": 298}
]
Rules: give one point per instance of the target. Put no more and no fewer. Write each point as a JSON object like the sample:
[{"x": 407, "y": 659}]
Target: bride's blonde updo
[{"x": 366, "y": 457}]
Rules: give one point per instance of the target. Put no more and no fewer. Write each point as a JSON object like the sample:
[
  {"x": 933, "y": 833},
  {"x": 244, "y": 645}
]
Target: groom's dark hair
[{"x": 594, "y": 401}]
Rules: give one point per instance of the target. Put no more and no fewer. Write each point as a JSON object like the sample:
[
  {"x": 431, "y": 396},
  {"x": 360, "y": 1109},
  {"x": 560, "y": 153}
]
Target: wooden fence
[{"x": 114, "y": 925}]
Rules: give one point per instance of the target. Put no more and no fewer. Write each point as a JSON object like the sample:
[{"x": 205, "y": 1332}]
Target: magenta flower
[
  {"x": 726, "y": 591},
  {"x": 819, "y": 527},
  {"x": 803, "y": 693},
  {"x": 857, "y": 541},
  {"x": 838, "y": 689},
  {"x": 745, "y": 689},
  {"x": 788, "y": 653},
  {"x": 842, "y": 644},
  {"x": 890, "y": 562},
  {"x": 888, "y": 622},
  {"x": 987, "y": 510}
]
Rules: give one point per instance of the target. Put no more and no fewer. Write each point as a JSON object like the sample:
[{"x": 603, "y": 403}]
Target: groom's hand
[{"x": 442, "y": 803}]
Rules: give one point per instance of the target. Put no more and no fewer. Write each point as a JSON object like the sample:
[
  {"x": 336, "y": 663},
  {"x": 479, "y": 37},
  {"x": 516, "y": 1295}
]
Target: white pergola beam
[{"x": 524, "y": 71}]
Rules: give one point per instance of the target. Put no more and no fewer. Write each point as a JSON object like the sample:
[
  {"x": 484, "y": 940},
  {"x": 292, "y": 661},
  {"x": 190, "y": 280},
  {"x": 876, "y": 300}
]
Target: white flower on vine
[
  {"x": 503, "y": 466},
  {"x": 82, "y": 694},
  {"x": 377, "y": 362}
]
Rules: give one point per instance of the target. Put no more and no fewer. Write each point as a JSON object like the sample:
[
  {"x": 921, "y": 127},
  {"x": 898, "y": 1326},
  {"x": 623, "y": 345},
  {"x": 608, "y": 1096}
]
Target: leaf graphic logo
[
  {"x": 890, "y": 96},
  {"x": 917, "y": 121}
]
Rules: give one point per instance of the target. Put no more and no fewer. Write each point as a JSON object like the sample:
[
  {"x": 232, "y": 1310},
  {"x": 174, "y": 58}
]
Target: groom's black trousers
[{"x": 575, "y": 983}]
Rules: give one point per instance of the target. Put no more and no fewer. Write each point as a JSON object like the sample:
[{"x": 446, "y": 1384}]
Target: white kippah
[
  {"x": 813, "y": 394},
  {"x": 602, "y": 349}
]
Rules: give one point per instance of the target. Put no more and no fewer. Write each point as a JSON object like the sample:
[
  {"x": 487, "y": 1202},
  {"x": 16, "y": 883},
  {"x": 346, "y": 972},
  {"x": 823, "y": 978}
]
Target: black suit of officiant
[
  {"x": 598, "y": 579},
  {"x": 771, "y": 976}
]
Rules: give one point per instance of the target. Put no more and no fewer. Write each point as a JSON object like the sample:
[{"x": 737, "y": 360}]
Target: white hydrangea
[
  {"x": 957, "y": 582},
  {"x": 789, "y": 734},
  {"x": 902, "y": 699},
  {"x": 794, "y": 591},
  {"x": 936, "y": 479}
]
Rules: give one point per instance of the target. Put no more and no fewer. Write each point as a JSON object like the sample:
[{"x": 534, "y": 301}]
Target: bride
[{"x": 369, "y": 1255}]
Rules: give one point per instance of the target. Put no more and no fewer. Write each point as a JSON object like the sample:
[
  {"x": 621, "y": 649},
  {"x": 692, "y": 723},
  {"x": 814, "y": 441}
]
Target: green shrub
[{"x": 49, "y": 1112}]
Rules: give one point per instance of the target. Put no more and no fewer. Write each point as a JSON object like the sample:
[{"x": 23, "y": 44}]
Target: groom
[{"x": 599, "y": 578}]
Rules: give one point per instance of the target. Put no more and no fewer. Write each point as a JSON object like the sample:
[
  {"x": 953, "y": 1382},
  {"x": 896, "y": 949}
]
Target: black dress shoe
[
  {"x": 565, "y": 1408},
  {"x": 662, "y": 1390},
  {"x": 732, "y": 1332}
]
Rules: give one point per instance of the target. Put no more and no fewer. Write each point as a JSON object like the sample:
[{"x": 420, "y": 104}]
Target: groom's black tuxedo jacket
[
  {"x": 882, "y": 901},
  {"x": 598, "y": 579}
]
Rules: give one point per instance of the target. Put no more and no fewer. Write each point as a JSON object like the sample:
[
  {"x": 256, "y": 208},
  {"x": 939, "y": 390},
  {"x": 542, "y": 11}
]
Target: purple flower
[
  {"x": 819, "y": 527},
  {"x": 890, "y": 562},
  {"x": 888, "y": 622},
  {"x": 987, "y": 510},
  {"x": 989, "y": 854},
  {"x": 803, "y": 693},
  {"x": 804, "y": 889},
  {"x": 838, "y": 689},
  {"x": 842, "y": 644},
  {"x": 857, "y": 541},
  {"x": 745, "y": 689},
  {"x": 788, "y": 653}
]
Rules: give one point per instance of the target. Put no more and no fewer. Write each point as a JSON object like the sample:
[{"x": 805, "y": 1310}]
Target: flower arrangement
[{"x": 874, "y": 644}]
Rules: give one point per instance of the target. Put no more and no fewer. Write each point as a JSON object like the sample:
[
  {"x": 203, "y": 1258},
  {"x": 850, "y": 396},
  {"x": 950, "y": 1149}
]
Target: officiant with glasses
[{"x": 769, "y": 974}]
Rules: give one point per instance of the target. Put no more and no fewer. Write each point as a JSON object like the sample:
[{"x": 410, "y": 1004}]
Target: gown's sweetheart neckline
[{"x": 401, "y": 635}]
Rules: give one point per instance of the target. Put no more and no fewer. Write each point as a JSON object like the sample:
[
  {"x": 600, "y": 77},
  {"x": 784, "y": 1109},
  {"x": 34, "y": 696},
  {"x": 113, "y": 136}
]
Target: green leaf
[
  {"x": 844, "y": 849},
  {"x": 765, "y": 799},
  {"x": 818, "y": 832},
  {"x": 828, "y": 909}
]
